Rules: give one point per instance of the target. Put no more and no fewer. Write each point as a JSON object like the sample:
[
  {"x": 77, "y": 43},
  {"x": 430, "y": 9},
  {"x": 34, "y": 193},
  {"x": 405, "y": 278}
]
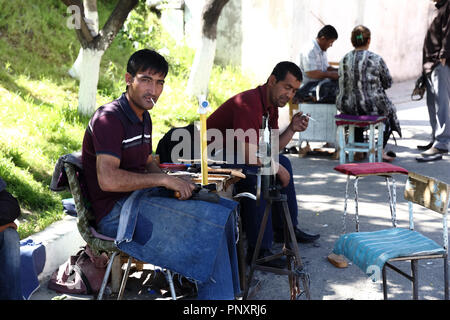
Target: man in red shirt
[{"x": 245, "y": 111}]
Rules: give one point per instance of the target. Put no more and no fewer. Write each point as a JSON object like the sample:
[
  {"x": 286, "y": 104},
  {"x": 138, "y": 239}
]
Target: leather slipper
[
  {"x": 429, "y": 158},
  {"x": 391, "y": 154}
]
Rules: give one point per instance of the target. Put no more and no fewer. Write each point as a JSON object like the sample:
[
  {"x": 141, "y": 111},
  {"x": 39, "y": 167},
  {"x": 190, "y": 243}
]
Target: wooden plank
[{"x": 428, "y": 192}]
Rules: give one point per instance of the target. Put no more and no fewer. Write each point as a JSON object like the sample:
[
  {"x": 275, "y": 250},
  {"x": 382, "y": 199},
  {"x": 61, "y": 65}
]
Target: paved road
[{"x": 320, "y": 194}]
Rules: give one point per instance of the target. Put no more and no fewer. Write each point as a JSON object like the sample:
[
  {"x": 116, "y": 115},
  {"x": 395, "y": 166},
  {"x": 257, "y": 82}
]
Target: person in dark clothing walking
[{"x": 436, "y": 67}]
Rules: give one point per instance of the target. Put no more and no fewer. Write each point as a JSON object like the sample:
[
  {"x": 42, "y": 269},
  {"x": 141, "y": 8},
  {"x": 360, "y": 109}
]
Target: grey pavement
[{"x": 320, "y": 195}]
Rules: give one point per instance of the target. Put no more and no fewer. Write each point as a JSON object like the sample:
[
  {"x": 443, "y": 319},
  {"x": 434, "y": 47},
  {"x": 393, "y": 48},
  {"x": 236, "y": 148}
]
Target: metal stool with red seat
[{"x": 381, "y": 169}]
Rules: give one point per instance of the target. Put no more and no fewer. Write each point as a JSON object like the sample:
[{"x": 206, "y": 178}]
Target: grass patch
[{"x": 39, "y": 121}]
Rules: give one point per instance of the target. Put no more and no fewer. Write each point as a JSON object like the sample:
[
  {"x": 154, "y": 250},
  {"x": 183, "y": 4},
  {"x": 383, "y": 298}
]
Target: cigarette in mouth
[{"x": 153, "y": 101}]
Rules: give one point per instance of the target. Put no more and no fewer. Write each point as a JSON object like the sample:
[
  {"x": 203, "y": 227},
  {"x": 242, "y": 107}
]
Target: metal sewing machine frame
[{"x": 269, "y": 190}]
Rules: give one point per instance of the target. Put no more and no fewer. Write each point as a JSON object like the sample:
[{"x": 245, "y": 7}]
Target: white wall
[
  {"x": 275, "y": 30},
  {"x": 257, "y": 34}
]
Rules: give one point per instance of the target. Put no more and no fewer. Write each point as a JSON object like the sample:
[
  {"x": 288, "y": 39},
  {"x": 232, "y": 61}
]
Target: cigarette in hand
[{"x": 306, "y": 115}]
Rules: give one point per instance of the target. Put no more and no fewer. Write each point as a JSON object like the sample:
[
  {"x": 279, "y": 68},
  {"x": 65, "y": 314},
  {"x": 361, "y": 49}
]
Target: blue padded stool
[{"x": 375, "y": 144}]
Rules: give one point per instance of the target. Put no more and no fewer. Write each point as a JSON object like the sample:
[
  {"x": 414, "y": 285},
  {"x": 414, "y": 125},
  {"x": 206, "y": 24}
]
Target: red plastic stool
[{"x": 382, "y": 169}]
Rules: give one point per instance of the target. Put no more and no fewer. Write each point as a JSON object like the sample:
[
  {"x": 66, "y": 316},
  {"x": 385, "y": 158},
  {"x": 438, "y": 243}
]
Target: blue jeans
[
  {"x": 157, "y": 214},
  {"x": 10, "y": 285},
  {"x": 252, "y": 214},
  {"x": 438, "y": 103}
]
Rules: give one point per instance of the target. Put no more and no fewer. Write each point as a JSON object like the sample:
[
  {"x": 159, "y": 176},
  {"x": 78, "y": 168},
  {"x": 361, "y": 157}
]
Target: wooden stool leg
[
  {"x": 380, "y": 141},
  {"x": 351, "y": 142},
  {"x": 371, "y": 143},
  {"x": 341, "y": 137}
]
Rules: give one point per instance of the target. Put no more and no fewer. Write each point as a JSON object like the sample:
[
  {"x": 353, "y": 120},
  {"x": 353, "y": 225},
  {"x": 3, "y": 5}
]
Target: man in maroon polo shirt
[
  {"x": 245, "y": 111},
  {"x": 117, "y": 145}
]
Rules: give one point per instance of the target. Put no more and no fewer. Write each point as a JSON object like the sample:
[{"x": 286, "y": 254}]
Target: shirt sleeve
[
  {"x": 108, "y": 134},
  {"x": 386, "y": 79}
]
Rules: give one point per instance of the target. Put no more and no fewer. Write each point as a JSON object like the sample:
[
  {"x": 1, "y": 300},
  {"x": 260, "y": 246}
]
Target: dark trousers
[
  {"x": 252, "y": 214},
  {"x": 10, "y": 283}
]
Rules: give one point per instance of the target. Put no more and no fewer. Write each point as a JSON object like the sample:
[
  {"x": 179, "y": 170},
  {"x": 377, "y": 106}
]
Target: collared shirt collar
[
  {"x": 263, "y": 92},
  {"x": 316, "y": 44},
  {"x": 131, "y": 115}
]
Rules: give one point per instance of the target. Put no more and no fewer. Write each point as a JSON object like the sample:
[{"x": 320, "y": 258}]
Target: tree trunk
[
  {"x": 90, "y": 12},
  {"x": 93, "y": 44},
  {"x": 204, "y": 55},
  {"x": 89, "y": 73}
]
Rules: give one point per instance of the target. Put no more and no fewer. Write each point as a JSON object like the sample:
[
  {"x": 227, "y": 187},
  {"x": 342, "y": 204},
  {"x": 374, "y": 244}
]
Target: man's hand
[
  {"x": 113, "y": 179},
  {"x": 182, "y": 187},
  {"x": 299, "y": 122},
  {"x": 8, "y": 225}
]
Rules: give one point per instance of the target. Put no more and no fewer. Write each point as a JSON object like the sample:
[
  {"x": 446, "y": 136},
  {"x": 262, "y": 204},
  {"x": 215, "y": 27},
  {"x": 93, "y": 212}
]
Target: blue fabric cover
[
  {"x": 187, "y": 236},
  {"x": 372, "y": 249},
  {"x": 32, "y": 261}
]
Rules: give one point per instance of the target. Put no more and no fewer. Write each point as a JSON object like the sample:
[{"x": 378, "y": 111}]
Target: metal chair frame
[
  {"x": 431, "y": 194},
  {"x": 84, "y": 216}
]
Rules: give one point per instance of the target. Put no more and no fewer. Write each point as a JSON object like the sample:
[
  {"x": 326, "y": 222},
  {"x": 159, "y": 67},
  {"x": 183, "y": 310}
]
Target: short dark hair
[
  {"x": 282, "y": 68},
  {"x": 328, "y": 31},
  {"x": 360, "y": 36},
  {"x": 146, "y": 59}
]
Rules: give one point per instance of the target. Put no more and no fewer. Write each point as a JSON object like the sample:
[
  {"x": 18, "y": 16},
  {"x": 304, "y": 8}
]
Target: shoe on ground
[
  {"x": 425, "y": 147},
  {"x": 387, "y": 158},
  {"x": 433, "y": 151},
  {"x": 391, "y": 154},
  {"x": 429, "y": 158},
  {"x": 300, "y": 235},
  {"x": 280, "y": 263},
  {"x": 293, "y": 150}
]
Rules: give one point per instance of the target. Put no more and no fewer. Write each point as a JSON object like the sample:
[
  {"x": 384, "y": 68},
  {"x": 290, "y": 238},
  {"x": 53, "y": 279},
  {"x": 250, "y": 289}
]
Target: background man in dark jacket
[{"x": 436, "y": 66}]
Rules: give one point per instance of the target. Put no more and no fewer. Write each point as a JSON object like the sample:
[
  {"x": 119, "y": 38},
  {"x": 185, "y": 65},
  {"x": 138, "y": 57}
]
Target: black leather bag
[{"x": 419, "y": 88}]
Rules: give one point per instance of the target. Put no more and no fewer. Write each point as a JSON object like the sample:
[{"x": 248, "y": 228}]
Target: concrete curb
[{"x": 61, "y": 239}]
